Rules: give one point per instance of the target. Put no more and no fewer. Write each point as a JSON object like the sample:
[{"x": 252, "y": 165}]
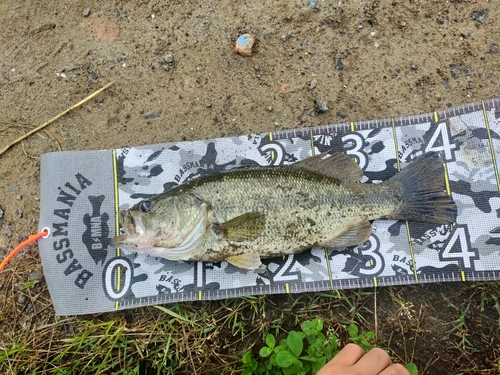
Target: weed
[
  {"x": 304, "y": 352},
  {"x": 461, "y": 330}
]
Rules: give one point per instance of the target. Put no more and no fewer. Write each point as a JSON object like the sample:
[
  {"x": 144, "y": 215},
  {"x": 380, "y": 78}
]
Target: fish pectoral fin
[
  {"x": 246, "y": 227},
  {"x": 247, "y": 261},
  {"x": 337, "y": 165},
  {"x": 355, "y": 235}
]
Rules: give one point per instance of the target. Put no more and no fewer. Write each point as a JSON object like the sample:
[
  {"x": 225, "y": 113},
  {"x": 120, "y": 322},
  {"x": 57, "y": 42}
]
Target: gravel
[
  {"x": 339, "y": 65},
  {"x": 35, "y": 275},
  {"x": 321, "y": 106},
  {"x": 494, "y": 48},
  {"x": 313, "y": 84},
  {"x": 153, "y": 114},
  {"x": 313, "y": 4},
  {"x": 479, "y": 16},
  {"x": 169, "y": 58},
  {"x": 86, "y": 12}
]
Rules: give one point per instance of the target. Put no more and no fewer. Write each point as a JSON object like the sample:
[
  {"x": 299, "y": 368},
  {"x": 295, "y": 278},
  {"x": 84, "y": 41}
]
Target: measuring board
[{"x": 82, "y": 193}]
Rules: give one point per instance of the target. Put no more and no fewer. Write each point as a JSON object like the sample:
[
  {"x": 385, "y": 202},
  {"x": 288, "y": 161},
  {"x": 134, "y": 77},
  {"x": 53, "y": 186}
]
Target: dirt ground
[{"x": 369, "y": 59}]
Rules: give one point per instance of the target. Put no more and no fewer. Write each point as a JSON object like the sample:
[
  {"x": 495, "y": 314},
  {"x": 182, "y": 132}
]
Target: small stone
[
  {"x": 18, "y": 197},
  {"x": 244, "y": 45},
  {"x": 21, "y": 299},
  {"x": 313, "y": 84},
  {"x": 267, "y": 36},
  {"x": 1, "y": 213},
  {"x": 304, "y": 42},
  {"x": 470, "y": 85},
  {"x": 270, "y": 109},
  {"x": 494, "y": 48},
  {"x": 414, "y": 66},
  {"x": 209, "y": 105},
  {"x": 256, "y": 68},
  {"x": 35, "y": 275},
  {"x": 100, "y": 100},
  {"x": 447, "y": 85},
  {"x": 152, "y": 114},
  {"x": 479, "y": 16},
  {"x": 321, "y": 106},
  {"x": 425, "y": 31},
  {"x": 86, "y": 12},
  {"x": 312, "y": 4},
  {"x": 283, "y": 37},
  {"x": 339, "y": 65},
  {"x": 19, "y": 212},
  {"x": 93, "y": 75},
  {"x": 441, "y": 20},
  {"x": 55, "y": 11},
  {"x": 169, "y": 58}
]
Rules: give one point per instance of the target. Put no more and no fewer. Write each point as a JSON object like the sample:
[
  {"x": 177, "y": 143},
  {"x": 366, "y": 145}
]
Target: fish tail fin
[{"x": 422, "y": 188}]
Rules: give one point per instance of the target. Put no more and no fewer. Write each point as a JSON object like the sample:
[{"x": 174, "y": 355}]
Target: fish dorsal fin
[
  {"x": 247, "y": 261},
  {"x": 246, "y": 227},
  {"x": 355, "y": 235},
  {"x": 337, "y": 165}
]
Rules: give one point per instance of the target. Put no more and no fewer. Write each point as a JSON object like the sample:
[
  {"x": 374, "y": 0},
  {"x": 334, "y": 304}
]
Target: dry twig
[{"x": 2, "y": 151}]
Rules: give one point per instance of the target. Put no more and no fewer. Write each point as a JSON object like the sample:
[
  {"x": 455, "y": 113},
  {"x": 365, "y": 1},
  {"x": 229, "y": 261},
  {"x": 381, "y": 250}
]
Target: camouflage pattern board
[{"x": 80, "y": 203}]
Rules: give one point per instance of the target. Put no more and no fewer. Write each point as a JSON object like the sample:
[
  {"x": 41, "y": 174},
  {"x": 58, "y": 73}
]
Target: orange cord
[{"x": 32, "y": 238}]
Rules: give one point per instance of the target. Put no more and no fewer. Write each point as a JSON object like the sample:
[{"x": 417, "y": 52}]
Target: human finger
[
  {"x": 347, "y": 357},
  {"x": 375, "y": 361},
  {"x": 395, "y": 369}
]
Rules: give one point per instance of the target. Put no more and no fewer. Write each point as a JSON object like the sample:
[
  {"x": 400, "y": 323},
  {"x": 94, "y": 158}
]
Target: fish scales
[
  {"x": 244, "y": 215},
  {"x": 302, "y": 209}
]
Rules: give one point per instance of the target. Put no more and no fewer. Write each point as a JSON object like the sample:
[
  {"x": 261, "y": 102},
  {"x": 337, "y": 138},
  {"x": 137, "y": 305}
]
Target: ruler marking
[
  {"x": 117, "y": 224},
  {"x": 312, "y": 140},
  {"x": 396, "y": 149},
  {"x": 329, "y": 267}
]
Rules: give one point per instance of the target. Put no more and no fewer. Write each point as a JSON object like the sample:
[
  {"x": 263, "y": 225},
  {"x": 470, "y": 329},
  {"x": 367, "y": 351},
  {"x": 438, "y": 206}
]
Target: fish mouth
[{"x": 132, "y": 226}]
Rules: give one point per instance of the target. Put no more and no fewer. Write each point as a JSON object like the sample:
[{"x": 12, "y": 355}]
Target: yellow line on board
[
  {"x": 328, "y": 265},
  {"x": 396, "y": 148},
  {"x": 493, "y": 157},
  {"x": 463, "y": 275},
  {"x": 271, "y": 138},
  {"x": 199, "y": 294},
  {"x": 395, "y": 143},
  {"x": 375, "y": 282},
  {"x": 436, "y": 117},
  {"x": 446, "y": 179},
  {"x": 352, "y": 127},
  {"x": 287, "y": 287},
  {"x": 312, "y": 140},
  {"x": 411, "y": 252},
  {"x": 117, "y": 204},
  {"x": 117, "y": 224}
]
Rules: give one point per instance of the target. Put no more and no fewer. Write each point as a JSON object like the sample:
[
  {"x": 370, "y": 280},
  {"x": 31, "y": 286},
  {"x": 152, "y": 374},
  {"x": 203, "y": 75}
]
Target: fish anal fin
[
  {"x": 246, "y": 227},
  {"x": 337, "y": 165},
  {"x": 355, "y": 235},
  {"x": 247, "y": 261}
]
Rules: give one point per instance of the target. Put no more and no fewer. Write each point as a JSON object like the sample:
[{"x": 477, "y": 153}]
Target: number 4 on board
[
  {"x": 459, "y": 247},
  {"x": 440, "y": 141}
]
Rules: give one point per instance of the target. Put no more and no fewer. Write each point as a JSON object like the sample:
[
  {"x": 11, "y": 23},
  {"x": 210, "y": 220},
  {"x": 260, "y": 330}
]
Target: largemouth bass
[{"x": 244, "y": 215}]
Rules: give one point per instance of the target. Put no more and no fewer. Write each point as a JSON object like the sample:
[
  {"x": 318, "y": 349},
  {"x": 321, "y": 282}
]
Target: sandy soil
[{"x": 370, "y": 59}]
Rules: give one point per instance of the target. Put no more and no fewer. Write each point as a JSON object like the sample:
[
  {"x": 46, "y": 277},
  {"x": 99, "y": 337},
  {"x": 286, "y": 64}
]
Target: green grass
[{"x": 461, "y": 326}]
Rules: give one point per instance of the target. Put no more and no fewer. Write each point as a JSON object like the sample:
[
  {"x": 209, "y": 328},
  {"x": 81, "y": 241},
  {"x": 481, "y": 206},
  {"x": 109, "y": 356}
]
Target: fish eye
[{"x": 146, "y": 206}]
